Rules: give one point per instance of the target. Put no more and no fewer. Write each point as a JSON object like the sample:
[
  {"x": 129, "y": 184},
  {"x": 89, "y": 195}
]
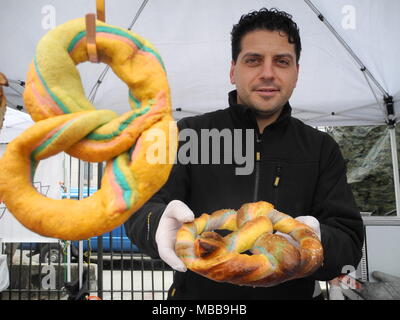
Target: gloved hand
[
  {"x": 387, "y": 287},
  {"x": 335, "y": 290},
  {"x": 175, "y": 214},
  {"x": 309, "y": 221}
]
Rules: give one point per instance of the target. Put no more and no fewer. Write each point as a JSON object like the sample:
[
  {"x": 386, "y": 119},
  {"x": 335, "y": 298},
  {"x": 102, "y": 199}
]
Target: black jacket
[{"x": 299, "y": 169}]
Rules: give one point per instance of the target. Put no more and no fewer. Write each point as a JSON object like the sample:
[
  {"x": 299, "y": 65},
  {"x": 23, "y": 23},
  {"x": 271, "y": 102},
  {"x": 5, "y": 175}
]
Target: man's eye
[
  {"x": 252, "y": 61},
  {"x": 283, "y": 62}
]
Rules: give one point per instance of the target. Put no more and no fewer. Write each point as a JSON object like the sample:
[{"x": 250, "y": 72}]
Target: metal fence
[
  {"x": 109, "y": 266},
  {"x": 52, "y": 271}
]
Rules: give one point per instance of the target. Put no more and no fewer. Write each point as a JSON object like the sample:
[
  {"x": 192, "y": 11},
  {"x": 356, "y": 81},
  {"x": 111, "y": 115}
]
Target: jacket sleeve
[
  {"x": 141, "y": 227},
  {"x": 342, "y": 230}
]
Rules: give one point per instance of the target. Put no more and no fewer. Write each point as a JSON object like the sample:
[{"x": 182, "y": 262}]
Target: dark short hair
[{"x": 264, "y": 19}]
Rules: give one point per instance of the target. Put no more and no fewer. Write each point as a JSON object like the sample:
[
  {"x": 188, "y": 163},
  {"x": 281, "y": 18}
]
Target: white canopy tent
[
  {"x": 349, "y": 72},
  {"x": 15, "y": 122}
]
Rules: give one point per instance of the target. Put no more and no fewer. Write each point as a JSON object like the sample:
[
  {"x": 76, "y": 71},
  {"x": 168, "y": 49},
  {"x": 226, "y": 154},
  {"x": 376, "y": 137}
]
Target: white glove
[
  {"x": 175, "y": 214},
  {"x": 335, "y": 290},
  {"x": 335, "y": 293},
  {"x": 309, "y": 221}
]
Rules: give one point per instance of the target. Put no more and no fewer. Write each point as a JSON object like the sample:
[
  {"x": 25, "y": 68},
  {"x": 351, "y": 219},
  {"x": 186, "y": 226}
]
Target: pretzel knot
[
  {"x": 273, "y": 258},
  {"x": 67, "y": 121}
]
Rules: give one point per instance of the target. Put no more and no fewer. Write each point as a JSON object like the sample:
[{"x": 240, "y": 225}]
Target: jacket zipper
[
  {"x": 257, "y": 173},
  {"x": 276, "y": 182},
  {"x": 148, "y": 225}
]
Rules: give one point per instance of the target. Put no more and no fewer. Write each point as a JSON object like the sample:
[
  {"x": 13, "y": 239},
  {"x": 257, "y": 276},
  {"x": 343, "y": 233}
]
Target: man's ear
[
  {"x": 232, "y": 72},
  {"x": 298, "y": 71}
]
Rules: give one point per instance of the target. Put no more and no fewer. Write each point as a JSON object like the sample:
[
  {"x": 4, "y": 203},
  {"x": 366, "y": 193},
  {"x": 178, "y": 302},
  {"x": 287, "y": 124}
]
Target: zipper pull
[
  {"x": 277, "y": 179},
  {"x": 258, "y": 147},
  {"x": 148, "y": 226}
]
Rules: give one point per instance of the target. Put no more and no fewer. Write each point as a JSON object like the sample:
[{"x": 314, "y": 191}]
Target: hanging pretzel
[
  {"x": 67, "y": 121},
  {"x": 274, "y": 259}
]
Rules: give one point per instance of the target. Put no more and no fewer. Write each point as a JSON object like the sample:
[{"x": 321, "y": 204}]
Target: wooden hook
[
  {"x": 101, "y": 10},
  {"x": 91, "y": 37},
  {"x": 3, "y": 80},
  {"x": 3, "y": 102}
]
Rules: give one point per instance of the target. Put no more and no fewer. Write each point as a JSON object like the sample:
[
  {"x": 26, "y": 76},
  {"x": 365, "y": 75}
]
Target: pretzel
[
  {"x": 67, "y": 121},
  {"x": 273, "y": 260}
]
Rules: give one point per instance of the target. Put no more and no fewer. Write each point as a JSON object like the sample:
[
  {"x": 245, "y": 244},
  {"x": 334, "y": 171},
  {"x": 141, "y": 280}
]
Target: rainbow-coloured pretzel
[
  {"x": 274, "y": 259},
  {"x": 67, "y": 121}
]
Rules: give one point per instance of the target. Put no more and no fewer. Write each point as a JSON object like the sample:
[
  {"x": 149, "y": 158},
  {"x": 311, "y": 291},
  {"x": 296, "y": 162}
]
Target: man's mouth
[{"x": 267, "y": 91}]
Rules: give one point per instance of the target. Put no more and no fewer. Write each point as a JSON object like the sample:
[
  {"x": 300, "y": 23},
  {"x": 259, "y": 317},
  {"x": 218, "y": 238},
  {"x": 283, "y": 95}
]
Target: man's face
[{"x": 265, "y": 72}]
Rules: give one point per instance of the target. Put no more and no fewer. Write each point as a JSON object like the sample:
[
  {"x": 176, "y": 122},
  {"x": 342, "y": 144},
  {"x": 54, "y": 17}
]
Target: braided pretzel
[
  {"x": 67, "y": 121},
  {"x": 274, "y": 260}
]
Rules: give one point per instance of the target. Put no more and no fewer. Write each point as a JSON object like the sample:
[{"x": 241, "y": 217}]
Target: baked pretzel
[
  {"x": 67, "y": 121},
  {"x": 273, "y": 260}
]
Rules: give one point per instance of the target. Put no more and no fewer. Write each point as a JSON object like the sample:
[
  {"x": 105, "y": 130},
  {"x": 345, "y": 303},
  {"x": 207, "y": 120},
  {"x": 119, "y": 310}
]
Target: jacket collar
[{"x": 247, "y": 115}]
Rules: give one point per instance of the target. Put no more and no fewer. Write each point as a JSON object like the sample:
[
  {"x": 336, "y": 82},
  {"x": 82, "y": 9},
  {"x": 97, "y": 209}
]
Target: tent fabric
[
  {"x": 193, "y": 38},
  {"x": 15, "y": 122}
]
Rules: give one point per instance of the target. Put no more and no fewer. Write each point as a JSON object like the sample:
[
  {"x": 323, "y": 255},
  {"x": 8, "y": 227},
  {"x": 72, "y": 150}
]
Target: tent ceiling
[{"x": 193, "y": 38}]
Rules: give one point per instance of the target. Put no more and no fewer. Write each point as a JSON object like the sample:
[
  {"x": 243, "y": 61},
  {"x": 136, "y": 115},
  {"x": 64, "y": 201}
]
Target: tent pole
[
  {"x": 396, "y": 180},
  {"x": 363, "y": 68},
  {"x": 387, "y": 98},
  {"x": 393, "y": 144},
  {"x": 93, "y": 91}
]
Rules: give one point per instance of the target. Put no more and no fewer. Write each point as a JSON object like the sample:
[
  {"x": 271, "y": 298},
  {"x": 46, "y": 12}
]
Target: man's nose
[{"x": 267, "y": 70}]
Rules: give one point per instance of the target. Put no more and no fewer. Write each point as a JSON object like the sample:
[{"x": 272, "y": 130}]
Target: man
[{"x": 298, "y": 169}]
